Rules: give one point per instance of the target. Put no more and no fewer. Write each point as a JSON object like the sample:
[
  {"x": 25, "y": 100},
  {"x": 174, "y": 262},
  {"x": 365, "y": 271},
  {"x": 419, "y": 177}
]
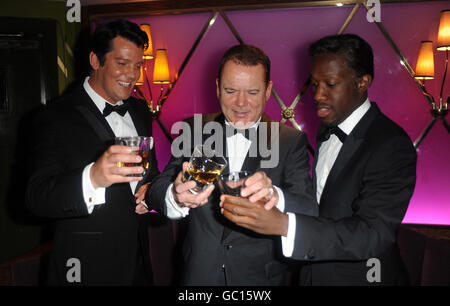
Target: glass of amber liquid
[
  {"x": 141, "y": 145},
  {"x": 231, "y": 183},
  {"x": 204, "y": 167}
]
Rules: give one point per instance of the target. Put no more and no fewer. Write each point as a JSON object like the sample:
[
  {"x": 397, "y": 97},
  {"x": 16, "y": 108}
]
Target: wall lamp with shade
[
  {"x": 425, "y": 71},
  {"x": 161, "y": 76}
]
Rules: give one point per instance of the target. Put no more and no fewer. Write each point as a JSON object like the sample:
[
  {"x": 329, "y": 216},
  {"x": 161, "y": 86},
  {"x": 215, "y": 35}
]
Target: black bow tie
[
  {"x": 247, "y": 133},
  {"x": 326, "y": 133},
  {"x": 120, "y": 109}
]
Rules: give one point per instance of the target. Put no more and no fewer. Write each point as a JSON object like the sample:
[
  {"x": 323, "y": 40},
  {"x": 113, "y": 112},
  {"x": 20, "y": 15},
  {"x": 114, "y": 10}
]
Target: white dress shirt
[
  {"x": 237, "y": 148},
  {"x": 121, "y": 126},
  {"x": 328, "y": 153}
]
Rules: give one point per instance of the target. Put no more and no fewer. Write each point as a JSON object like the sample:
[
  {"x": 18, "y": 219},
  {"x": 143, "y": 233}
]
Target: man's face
[
  {"x": 114, "y": 81},
  {"x": 337, "y": 90},
  {"x": 243, "y": 93}
]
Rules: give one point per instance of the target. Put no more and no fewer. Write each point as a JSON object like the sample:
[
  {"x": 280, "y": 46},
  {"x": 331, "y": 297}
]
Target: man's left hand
[
  {"x": 254, "y": 216},
  {"x": 259, "y": 187}
]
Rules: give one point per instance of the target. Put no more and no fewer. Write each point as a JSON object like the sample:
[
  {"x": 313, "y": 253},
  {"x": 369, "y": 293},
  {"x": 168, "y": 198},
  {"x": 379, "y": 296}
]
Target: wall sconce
[
  {"x": 425, "y": 71},
  {"x": 161, "y": 76}
]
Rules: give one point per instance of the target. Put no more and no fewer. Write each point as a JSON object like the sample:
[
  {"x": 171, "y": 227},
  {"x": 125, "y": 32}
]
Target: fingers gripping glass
[
  {"x": 231, "y": 183},
  {"x": 203, "y": 168},
  {"x": 141, "y": 146}
]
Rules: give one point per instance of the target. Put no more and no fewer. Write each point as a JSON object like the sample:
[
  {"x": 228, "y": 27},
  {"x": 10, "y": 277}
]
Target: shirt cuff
[
  {"x": 173, "y": 210},
  {"x": 287, "y": 242},
  {"x": 280, "y": 204},
  {"x": 91, "y": 195}
]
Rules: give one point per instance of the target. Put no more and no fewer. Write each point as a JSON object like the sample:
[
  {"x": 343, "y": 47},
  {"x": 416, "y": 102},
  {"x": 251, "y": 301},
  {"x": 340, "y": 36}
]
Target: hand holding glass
[
  {"x": 231, "y": 183},
  {"x": 203, "y": 168},
  {"x": 141, "y": 146}
]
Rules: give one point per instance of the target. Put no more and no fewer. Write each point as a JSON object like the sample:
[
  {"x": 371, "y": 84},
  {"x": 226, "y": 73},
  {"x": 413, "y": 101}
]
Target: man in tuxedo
[
  {"x": 215, "y": 252},
  {"x": 364, "y": 176},
  {"x": 76, "y": 180}
]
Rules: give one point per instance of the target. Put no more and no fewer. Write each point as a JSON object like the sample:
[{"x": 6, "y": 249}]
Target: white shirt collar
[
  {"x": 96, "y": 98},
  {"x": 348, "y": 124},
  {"x": 253, "y": 126}
]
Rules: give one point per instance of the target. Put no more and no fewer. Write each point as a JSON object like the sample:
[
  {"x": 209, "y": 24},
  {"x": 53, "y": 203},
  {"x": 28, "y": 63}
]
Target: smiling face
[
  {"x": 243, "y": 93},
  {"x": 114, "y": 81},
  {"x": 337, "y": 89}
]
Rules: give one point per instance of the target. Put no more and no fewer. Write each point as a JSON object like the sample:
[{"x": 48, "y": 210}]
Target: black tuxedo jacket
[
  {"x": 215, "y": 252},
  {"x": 68, "y": 135},
  {"x": 362, "y": 205}
]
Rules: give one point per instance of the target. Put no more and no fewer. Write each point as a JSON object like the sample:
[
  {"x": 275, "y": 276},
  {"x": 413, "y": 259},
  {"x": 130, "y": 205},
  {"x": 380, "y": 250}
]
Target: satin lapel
[
  {"x": 351, "y": 145},
  {"x": 316, "y": 158},
  {"x": 91, "y": 113},
  {"x": 345, "y": 154},
  {"x": 253, "y": 163},
  {"x": 138, "y": 118}
]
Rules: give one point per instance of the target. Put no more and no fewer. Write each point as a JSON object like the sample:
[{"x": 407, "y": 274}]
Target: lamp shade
[
  {"x": 425, "y": 62},
  {"x": 148, "y": 53},
  {"x": 161, "y": 69},
  {"x": 140, "y": 81},
  {"x": 443, "y": 42}
]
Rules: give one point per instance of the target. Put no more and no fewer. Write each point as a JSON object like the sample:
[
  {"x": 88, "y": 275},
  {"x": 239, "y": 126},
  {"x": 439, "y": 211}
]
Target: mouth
[
  {"x": 239, "y": 114},
  {"x": 125, "y": 84},
  {"x": 323, "y": 110}
]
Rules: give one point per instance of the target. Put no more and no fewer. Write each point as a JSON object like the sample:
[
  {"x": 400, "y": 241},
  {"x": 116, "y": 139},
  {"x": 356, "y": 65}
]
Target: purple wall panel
[{"x": 285, "y": 35}]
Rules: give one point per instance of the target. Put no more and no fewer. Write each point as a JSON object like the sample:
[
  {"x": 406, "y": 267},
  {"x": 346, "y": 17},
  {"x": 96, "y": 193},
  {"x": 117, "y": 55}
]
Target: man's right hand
[
  {"x": 105, "y": 172},
  {"x": 184, "y": 197}
]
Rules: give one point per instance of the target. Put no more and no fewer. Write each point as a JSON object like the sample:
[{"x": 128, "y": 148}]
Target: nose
[
  {"x": 241, "y": 99},
  {"x": 132, "y": 72},
  {"x": 320, "y": 93}
]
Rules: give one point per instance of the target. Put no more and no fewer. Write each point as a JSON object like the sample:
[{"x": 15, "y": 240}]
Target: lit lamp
[
  {"x": 425, "y": 62},
  {"x": 160, "y": 76},
  {"x": 148, "y": 53},
  {"x": 425, "y": 71},
  {"x": 161, "y": 69}
]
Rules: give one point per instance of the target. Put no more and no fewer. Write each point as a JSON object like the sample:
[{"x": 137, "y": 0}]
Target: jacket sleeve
[{"x": 54, "y": 189}]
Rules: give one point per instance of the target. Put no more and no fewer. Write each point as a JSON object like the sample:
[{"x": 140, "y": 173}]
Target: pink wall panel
[{"x": 285, "y": 35}]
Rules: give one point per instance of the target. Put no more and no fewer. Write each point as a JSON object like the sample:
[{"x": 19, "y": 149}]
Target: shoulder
[
  {"x": 139, "y": 104},
  {"x": 290, "y": 135},
  {"x": 385, "y": 134},
  {"x": 205, "y": 118}
]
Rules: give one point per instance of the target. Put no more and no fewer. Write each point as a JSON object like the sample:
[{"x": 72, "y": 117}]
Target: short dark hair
[
  {"x": 246, "y": 55},
  {"x": 356, "y": 50},
  {"x": 101, "y": 41}
]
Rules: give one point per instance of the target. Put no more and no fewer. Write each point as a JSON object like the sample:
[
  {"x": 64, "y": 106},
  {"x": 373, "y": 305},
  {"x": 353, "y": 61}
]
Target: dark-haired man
[
  {"x": 214, "y": 251},
  {"x": 364, "y": 176},
  {"x": 76, "y": 181}
]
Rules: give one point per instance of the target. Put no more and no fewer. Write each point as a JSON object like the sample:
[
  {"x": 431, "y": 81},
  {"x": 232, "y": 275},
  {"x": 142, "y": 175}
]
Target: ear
[
  {"x": 364, "y": 83},
  {"x": 218, "y": 88},
  {"x": 269, "y": 90},
  {"x": 94, "y": 61}
]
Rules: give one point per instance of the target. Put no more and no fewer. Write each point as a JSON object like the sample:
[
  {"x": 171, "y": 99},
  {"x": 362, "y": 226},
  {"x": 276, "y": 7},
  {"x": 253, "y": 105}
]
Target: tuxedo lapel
[
  {"x": 138, "y": 119},
  {"x": 93, "y": 116},
  {"x": 352, "y": 144}
]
